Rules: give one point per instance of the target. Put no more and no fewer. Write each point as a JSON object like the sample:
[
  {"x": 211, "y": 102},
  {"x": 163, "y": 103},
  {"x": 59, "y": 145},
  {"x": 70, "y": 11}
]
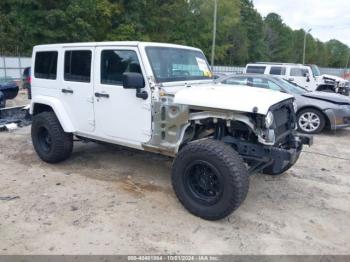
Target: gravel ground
[{"x": 112, "y": 200}]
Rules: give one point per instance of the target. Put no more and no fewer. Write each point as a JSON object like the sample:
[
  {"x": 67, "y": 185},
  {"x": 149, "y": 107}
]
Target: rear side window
[
  {"x": 236, "y": 81},
  {"x": 278, "y": 70},
  {"x": 260, "y": 82},
  {"x": 116, "y": 62},
  {"x": 46, "y": 65},
  {"x": 256, "y": 69},
  {"x": 77, "y": 66},
  {"x": 298, "y": 72}
]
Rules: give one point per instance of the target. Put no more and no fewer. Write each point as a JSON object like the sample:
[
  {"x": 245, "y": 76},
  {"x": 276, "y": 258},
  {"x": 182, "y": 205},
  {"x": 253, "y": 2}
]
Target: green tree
[
  {"x": 253, "y": 25},
  {"x": 278, "y": 38}
]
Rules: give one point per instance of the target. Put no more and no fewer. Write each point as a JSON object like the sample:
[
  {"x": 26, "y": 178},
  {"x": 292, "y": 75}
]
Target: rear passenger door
[{"x": 77, "y": 87}]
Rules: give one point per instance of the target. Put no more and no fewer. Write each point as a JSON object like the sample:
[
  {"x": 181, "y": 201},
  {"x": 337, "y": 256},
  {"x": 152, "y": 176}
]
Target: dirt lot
[{"x": 111, "y": 200}]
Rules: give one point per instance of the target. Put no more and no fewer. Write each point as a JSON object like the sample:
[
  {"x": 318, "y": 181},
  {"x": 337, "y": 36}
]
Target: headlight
[
  {"x": 295, "y": 106},
  {"x": 269, "y": 119}
]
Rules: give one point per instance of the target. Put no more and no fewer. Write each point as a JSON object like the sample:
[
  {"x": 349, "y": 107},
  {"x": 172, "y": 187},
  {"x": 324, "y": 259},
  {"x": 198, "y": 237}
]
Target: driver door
[{"x": 120, "y": 116}]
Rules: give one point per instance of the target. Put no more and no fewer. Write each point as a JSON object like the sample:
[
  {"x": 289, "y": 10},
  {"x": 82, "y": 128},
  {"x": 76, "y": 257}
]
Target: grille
[{"x": 284, "y": 120}]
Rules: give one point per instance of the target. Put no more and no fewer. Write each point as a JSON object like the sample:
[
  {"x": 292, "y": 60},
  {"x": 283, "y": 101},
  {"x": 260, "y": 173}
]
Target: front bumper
[
  {"x": 338, "y": 118},
  {"x": 277, "y": 158}
]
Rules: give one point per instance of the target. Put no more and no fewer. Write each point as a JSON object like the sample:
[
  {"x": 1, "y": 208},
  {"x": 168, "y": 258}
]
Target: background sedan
[{"x": 315, "y": 110}]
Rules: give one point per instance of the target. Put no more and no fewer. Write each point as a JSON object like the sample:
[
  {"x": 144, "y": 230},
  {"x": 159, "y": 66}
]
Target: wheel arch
[
  {"x": 43, "y": 104},
  {"x": 315, "y": 108},
  {"x": 214, "y": 118}
]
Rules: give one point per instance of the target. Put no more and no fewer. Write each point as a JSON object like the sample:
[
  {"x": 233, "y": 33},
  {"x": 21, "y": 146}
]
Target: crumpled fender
[{"x": 58, "y": 109}]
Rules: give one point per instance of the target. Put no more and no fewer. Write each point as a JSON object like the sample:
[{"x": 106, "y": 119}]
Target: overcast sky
[{"x": 328, "y": 19}]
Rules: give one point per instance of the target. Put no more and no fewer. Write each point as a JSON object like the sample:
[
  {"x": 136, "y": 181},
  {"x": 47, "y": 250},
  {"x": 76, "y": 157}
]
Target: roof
[
  {"x": 247, "y": 75},
  {"x": 112, "y": 43},
  {"x": 278, "y": 63}
]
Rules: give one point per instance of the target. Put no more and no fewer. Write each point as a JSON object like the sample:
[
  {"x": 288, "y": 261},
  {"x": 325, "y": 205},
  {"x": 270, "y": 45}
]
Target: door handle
[
  {"x": 102, "y": 95},
  {"x": 67, "y": 91}
]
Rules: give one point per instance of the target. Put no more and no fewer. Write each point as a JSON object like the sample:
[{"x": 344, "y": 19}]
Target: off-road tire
[
  {"x": 233, "y": 178},
  {"x": 314, "y": 111},
  {"x": 61, "y": 143},
  {"x": 268, "y": 170}
]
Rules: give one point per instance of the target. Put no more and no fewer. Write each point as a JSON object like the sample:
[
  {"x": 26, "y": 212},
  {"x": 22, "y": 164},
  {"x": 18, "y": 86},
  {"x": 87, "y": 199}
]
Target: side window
[
  {"x": 274, "y": 86},
  {"x": 236, "y": 81},
  {"x": 298, "y": 72},
  {"x": 46, "y": 65},
  {"x": 259, "y": 82},
  {"x": 77, "y": 66},
  {"x": 277, "y": 70},
  {"x": 256, "y": 69},
  {"x": 116, "y": 62}
]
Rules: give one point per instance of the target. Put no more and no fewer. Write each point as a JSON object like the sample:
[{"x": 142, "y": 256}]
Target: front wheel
[
  {"x": 210, "y": 179},
  {"x": 51, "y": 143},
  {"x": 311, "y": 121}
]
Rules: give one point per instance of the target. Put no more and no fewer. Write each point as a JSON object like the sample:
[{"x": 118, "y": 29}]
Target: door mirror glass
[{"x": 133, "y": 81}]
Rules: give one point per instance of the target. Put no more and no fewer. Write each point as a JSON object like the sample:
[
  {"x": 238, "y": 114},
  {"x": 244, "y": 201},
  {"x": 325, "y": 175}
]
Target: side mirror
[{"x": 135, "y": 81}]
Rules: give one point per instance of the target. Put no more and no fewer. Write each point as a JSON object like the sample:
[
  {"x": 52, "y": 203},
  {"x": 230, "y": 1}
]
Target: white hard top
[
  {"x": 113, "y": 43},
  {"x": 276, "y": 64}
]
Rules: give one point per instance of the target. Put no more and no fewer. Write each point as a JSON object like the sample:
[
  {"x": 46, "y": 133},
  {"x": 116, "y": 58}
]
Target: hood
[
  {"x": 229, "y": 97},
  {"x": 328, "y": 97},
  {"x": 335, "y": 78}
]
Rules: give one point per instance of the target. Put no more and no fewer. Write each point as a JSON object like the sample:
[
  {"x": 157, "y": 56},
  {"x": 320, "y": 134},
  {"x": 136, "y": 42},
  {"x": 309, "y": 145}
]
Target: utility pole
[
  {"x": 306, "y": 32},
  {"x": 214, "y": 34}
]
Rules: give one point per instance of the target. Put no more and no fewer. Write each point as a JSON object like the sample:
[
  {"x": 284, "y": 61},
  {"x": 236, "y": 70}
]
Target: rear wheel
[
  {"x": 210, "y": 179},
  {"x": 311, "y": 121},
  {"x": 50, "y": 142}
]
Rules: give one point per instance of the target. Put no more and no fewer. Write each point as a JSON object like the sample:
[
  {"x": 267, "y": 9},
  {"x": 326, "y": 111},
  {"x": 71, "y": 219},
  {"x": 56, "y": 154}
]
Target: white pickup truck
[
  {"x": 306, "y": 76},
  {"x": 162, "y": 98}
]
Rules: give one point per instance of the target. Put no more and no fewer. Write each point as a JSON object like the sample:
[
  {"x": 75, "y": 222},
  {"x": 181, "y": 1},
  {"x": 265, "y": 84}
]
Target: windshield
[
  {"x": 176, "y": 64},
  {"x": 315, "y": 70},
  {"x": 291, "y": 87}
]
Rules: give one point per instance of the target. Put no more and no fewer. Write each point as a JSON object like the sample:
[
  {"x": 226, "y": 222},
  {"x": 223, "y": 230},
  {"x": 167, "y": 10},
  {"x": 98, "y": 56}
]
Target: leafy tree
[
  {"x": 278, "y": 38},
  {"x": 338, "y": 53},
  {"x": 242, "y": 34}
]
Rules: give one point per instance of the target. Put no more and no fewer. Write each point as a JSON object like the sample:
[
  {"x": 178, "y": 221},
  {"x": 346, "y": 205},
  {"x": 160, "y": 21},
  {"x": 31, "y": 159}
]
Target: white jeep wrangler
[{"x": 161, "y": 98}]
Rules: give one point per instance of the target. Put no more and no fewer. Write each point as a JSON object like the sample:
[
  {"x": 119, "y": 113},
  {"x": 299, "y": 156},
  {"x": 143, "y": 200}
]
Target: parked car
[
  {"x": 162, "y": 98},
  {"x": 315, "y": 110},
  {"x": 328, "y": 82},
  {"x": 8, "y": 90},
  {"x": 306, "y": 76},
  {"x": 26, "y": 79}
]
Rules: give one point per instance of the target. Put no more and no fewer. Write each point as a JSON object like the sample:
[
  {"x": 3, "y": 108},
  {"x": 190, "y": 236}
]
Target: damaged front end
[{"x": 279, "y": 145}]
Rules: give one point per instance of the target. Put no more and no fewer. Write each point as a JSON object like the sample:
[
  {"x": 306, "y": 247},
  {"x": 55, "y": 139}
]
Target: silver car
[{"x": 315, "y": 110}]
